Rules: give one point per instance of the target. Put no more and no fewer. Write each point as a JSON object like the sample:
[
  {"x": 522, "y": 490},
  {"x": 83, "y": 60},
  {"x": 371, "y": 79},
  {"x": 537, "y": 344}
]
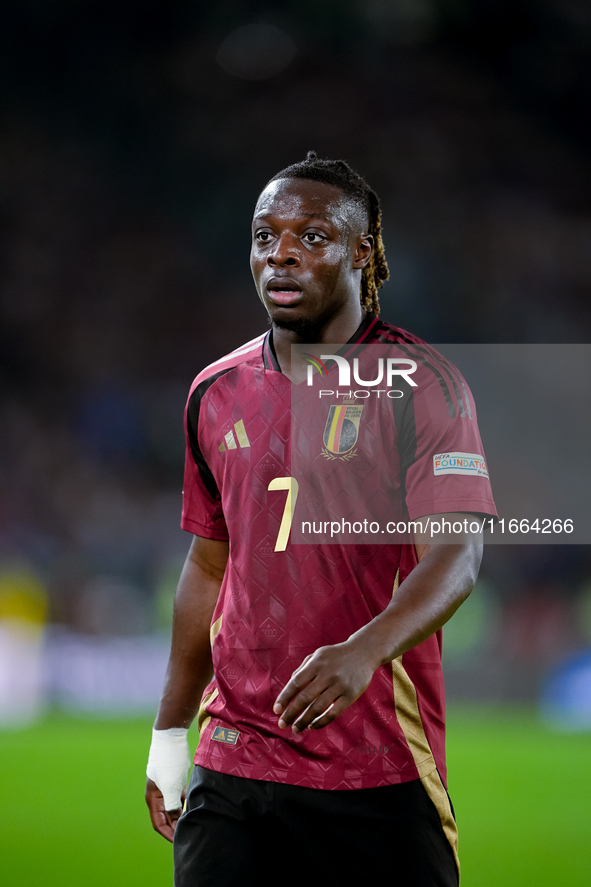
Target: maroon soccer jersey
[{"x": 280, "y": 601}]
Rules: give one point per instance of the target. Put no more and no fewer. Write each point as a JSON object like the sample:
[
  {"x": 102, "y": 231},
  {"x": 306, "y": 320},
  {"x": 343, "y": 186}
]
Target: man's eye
[
  {"x": 262, "y": 236},
  {"x": 312, "y": 237}
]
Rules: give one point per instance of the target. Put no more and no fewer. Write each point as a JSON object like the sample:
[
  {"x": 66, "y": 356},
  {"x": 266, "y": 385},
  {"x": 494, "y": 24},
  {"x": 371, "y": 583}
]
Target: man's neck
[{"x": 335, "y": 331}]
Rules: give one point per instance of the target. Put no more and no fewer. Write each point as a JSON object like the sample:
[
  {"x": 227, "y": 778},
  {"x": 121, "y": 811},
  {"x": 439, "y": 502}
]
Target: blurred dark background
[{"x": 134, "y": 140}]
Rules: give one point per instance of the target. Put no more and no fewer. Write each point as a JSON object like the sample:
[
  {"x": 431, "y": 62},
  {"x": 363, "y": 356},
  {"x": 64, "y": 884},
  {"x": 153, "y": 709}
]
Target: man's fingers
[
  {"x": 318, "y": 707},
  {"x": 163, "y": 821},
  {"x": 298, "y": 704},
  {"x": 322, "y": 687},
  {"x": 173, "y": 817},
  {"x": 300, "y": 678},
  {"x": 329, "y": 716},
  {"x": 301, "y": 665},
  {"x": 166, "y": 825}
]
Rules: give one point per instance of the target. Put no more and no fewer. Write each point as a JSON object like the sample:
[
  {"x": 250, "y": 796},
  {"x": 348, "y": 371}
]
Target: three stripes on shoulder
[{"x": 230, "y": 440}]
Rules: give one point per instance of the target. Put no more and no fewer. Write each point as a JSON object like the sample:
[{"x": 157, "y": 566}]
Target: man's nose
[{"x": 285, "y": 251}]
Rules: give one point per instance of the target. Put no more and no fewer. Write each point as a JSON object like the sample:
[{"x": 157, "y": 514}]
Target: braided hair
[{"x": 340, "y": 174}]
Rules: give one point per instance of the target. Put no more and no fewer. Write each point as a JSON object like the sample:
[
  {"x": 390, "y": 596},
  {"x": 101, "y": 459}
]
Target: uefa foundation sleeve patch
[
  {"x": 221, "y": 734},
  {"x": 459, "y": 463}
]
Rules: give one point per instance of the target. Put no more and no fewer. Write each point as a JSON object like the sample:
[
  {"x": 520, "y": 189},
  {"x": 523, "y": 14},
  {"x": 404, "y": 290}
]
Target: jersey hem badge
[
  {"x": 459, "y": 463},
  {"x": 341, "y": 431},
  {"x": 222, "y": 734}
]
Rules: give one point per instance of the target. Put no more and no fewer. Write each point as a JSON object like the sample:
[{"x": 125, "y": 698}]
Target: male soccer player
[{"x": 321, "y": 751}]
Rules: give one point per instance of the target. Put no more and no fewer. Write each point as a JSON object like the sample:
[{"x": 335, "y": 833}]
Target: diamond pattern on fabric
[{"x": 280, "y": 606}]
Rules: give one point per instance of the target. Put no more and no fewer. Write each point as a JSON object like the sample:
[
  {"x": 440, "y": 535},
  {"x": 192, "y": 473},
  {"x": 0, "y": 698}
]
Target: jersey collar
[{"x": 361, "y": 334}]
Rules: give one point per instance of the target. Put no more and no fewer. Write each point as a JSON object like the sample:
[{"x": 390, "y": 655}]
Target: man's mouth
[{"x": 284, "y": 295}]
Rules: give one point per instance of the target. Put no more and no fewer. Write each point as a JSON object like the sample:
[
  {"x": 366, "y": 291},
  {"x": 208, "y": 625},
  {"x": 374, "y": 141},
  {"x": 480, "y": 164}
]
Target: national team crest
[{"x": 341, "y": 431}]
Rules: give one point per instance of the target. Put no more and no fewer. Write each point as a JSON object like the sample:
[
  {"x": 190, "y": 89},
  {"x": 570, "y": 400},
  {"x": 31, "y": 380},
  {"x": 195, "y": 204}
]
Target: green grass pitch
[
  {"x": 522, "y": 796},
  {"x": 72, "y": 810}
]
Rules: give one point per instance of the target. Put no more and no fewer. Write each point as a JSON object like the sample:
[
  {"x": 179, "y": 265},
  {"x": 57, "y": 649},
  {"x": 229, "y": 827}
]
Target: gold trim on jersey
[
  {"x": 215, "y": 627},
  {"x": 203, "y": 718},
  {"x": 411, "y": 724}
]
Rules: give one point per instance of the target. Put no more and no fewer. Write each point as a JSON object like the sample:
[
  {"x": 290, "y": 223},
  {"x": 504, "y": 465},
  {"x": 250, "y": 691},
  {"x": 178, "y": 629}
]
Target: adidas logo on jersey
[
  {"x": 230, "y": 439},
  {"x": 221, "y": 734}
]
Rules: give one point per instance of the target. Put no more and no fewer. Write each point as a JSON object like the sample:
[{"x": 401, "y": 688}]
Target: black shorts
[{"x": 248, "y": 832}]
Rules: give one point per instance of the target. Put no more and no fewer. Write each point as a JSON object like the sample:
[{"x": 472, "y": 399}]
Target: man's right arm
[{"x": 189, "y": 667}]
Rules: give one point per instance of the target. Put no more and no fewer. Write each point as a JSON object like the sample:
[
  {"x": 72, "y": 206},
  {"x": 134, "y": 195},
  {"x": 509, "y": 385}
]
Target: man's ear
[{"x": 363, "y": 251}]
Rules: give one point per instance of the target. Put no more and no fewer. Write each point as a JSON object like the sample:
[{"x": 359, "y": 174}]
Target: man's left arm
[{"x": 333, "y": 677}]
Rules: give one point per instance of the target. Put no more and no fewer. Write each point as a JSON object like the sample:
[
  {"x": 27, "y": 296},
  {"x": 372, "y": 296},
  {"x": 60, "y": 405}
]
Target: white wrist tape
[{"x": 168, "y": 764}]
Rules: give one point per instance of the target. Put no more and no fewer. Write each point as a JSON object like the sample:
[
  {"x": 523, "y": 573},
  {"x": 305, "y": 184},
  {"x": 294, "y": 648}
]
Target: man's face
[{"x": 308, "y": 251}]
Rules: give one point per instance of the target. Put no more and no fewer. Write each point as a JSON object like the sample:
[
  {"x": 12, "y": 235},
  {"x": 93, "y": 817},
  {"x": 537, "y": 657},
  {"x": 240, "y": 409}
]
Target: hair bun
[{"x": 311, "y": 157}]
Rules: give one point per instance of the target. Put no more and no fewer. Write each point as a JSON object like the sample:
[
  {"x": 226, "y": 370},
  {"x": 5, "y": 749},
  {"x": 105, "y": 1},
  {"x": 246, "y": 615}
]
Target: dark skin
[
  {"x": 310, "y": 246},
  {"x": 189, "y": 668},
  {"x": 308, "y": 238},
  {"x": 333, "y": 677}
]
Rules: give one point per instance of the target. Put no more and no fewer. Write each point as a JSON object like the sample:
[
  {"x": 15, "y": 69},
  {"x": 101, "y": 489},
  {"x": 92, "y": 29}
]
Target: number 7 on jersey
[{"x": 291, "y": 485}]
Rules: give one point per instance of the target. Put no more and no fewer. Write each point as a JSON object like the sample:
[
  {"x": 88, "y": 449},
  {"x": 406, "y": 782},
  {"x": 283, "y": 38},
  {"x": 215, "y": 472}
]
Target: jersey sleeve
[
  {"x": 441, "y": 450},
  {"x": 202, "y": 503}
]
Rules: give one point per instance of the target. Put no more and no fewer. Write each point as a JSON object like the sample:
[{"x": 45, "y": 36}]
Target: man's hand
[
  {"x": 189, "y": 671},
  {"x": 163, "y": 821},
  {"x": 168, "y": 766},
  {"x": 332, "y": 678},
  {"x": 324, "y": 685}
]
